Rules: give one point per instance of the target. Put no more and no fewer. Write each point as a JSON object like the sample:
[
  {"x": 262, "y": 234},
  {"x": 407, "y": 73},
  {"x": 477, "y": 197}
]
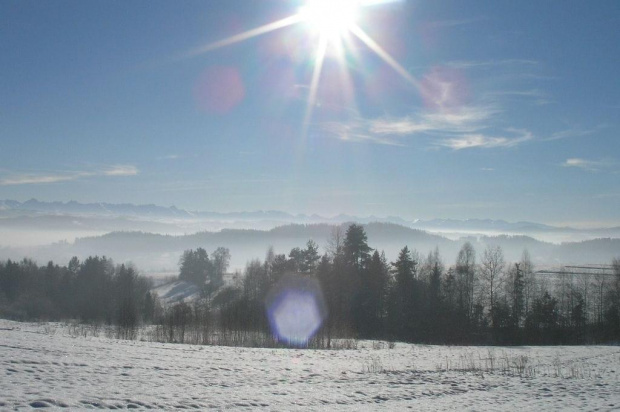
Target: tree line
[
  {"x": 92, "y": 291},
  {"x": 479, "y": 299}
]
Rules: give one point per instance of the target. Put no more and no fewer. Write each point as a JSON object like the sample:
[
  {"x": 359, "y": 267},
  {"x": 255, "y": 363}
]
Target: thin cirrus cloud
[
  {"x": 120, "y": 170},
  {"x": 585, "y": 164},
  {"x": 464, "y": 120},
  {"x": 459, "y": 129},
  {"x": 31, "y": 179},
  {"x": 481, "y": 64},
  {"x": 357, "y": 131},
  {"x": 568, "y": 133},
  {"x": 170, "y": 157},
  {"x": 478, "y": 140},
  {"x": 37, "y": 178}
]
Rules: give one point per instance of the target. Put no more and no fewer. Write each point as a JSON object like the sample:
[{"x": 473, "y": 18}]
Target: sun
[
  {"x": 330, "y": 19},
  {"x": 331, "y": 23}
]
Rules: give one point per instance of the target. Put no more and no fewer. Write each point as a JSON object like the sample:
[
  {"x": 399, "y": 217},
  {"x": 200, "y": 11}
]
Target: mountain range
[{"x": 15, "y": 209}]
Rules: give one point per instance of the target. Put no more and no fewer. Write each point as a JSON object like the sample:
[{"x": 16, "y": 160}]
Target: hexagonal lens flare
[{"x": 296, "y": 309}]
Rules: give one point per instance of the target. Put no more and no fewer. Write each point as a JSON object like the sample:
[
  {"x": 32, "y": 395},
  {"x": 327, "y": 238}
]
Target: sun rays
[
  {"x": 266, "y": 28},
  {"x": 330, "y": 22},
  {"x": 314, "y": 84},
  {"x": 385, "y": 56}
]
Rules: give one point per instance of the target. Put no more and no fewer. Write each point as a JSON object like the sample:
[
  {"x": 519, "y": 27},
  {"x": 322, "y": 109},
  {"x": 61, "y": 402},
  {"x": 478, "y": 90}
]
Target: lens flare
[
  {"x": 329, "y": 23},
  {"x": 219, "y": 90},
  {"x": 296, "y": 310}
]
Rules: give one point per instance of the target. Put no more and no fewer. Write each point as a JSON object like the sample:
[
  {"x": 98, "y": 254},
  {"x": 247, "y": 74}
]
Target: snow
[
  {"x": 51, "y": 365},
  {"x": 177, "y": 291}
]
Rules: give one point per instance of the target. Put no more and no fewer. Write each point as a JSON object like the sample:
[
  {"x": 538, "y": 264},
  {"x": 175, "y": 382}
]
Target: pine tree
[
  {"x": 402, "y": 295},
  {"x": 356, "y": 249}
]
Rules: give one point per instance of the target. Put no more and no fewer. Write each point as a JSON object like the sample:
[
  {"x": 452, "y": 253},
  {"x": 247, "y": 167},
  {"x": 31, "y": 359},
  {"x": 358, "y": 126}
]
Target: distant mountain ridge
[
  {"x": 99, "y": 209},
  {"x": 154, "y": 211},
  {"x": 151, "y": 210},
  {"x": 73, "y": 219}
]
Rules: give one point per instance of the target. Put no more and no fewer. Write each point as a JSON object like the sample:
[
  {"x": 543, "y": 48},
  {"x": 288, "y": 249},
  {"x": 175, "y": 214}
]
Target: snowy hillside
[
  {"x": 173, "y": 292},
  {"x": 48, "y": 365}
]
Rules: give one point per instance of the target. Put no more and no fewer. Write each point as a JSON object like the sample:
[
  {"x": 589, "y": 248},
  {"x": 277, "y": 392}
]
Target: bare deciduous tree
[{"x": 491, "y": 273}]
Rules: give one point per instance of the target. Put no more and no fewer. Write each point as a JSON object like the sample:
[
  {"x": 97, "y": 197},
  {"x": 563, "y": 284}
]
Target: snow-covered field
[{"x": 47, "y": 365}]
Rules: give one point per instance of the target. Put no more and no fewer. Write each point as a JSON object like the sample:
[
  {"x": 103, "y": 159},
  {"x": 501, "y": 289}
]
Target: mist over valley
[{"x": 154, "y": 237}]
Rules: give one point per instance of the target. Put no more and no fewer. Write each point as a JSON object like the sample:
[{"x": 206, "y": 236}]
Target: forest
[{"x": 354, "y": 293}]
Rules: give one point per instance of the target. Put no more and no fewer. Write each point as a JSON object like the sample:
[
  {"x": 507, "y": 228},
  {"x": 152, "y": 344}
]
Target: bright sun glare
[{"x": 331, "y": 19}]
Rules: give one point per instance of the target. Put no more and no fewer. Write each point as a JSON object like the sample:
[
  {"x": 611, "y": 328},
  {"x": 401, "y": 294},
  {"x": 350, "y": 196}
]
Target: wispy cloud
[
  {"x": 468, "y": 141},
  {"x": 482, "y": 64},
  {"x": 589, "y": 165},
  {"x": 524, "y": 93},
  {"x": 524, "y": 70},
  {"x": 357, "y": 131},
  {"x": 568, "y": 133},
  {"x": 169, "y": 157},
  {"x": 28, "y": 179},
  {"x": 463, "y": 120},
  {"x": 45, "y": 178},
  {"x": 456, "y": 129},
  {"x": 537, "y": 96},
  {"x": 120, "y": 170}
]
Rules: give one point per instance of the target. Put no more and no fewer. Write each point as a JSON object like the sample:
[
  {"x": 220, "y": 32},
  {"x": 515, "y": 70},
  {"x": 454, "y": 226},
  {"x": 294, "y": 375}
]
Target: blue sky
[{"x": 492, "y": 109}]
